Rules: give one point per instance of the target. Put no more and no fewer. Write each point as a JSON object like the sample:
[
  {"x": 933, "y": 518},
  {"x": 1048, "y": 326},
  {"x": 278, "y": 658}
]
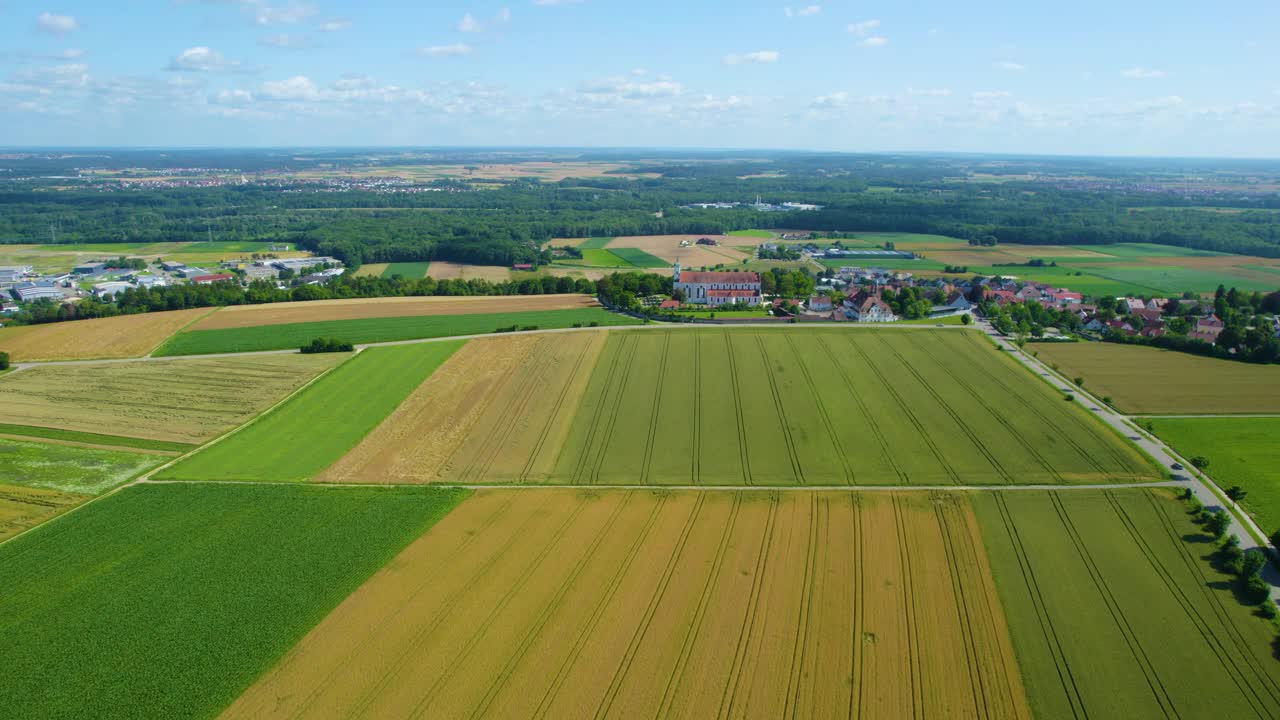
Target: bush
[
  {"x": 327, "y": 345},
  {"x": 966, "y": 319},
  {"x": 1079, "y": 381},
  {"x": 1256, "y": 589},
  {"x": 4, "y": 361},
  {"x": 1268, "y": 610},
  {"x": 1186, "y": 494},
  {"x": 1107, "y": 399},
  {"x": 1217, "y": 523},
  {"x": 1069, "y": 397},
  {"x": 1200, "y": 462},
  {"x": 1236, "y": 493},
  {"x": 1252, "y": 563},
  {"x": 1275, "y": 539}
]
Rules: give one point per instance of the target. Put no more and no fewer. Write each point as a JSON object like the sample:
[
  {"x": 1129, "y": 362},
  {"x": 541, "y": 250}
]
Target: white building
[
  {"x": 108, "y": 290},
  {"x": 719, "y": 288}
]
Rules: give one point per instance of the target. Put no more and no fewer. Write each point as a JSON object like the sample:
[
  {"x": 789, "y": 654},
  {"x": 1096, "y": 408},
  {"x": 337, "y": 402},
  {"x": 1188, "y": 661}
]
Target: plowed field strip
[
  {"x": 909, "y": 613},
  {"x": 749, "y": 620},
  {"x": 977, "y": 678},
  {"x": 518, "y": 397},
  {"x": 794, "y": 677},
  {"x": 602, "y": 450},
  {"x": 600, "y": 402}
]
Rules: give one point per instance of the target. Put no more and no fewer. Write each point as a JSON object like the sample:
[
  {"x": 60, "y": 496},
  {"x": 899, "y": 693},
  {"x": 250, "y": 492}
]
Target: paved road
[
  {"x": 1202, "y": 486},
  {"x": 1199, "y": 417}
]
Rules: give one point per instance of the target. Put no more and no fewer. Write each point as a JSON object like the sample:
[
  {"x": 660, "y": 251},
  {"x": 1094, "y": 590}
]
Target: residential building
[
  {"x": 820, "y": 303},
  {"x": 865, "y": 306},
  {"x": 718, "y": 288}
]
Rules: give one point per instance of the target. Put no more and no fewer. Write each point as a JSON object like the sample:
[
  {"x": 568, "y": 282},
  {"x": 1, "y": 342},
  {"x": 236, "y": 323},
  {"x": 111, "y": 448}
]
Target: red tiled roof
[
  {"x": 668, "y": 304},
  {"x": 212, "y": 278},
  {"x": 736, "y": 278}
]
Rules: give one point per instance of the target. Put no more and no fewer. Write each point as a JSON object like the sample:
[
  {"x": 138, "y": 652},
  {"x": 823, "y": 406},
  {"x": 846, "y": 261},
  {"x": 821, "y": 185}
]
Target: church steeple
[{"x": 676, "y": 271}]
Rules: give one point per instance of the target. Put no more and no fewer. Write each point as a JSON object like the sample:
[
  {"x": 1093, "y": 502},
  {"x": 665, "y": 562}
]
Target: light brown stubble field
[
  {"x": 238, "y": 316},
  {"x": 567, "y": 603},
  {"x": 117, "y": 337}
]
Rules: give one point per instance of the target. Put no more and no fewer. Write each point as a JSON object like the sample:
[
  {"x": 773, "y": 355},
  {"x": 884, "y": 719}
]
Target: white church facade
[{"x": 719, "y": 288}]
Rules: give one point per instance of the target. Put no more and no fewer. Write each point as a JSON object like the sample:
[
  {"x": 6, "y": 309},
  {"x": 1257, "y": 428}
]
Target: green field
[
  {"x": 407, "y": 269},
  {"x": 1241, "y": 451},
  {"x": 93, "y": 438},
  {"x": 828, "y": 407},
  {"x": 169, "y": 600},
  {"x": 603, "y": 258},
  {"x": 1115, "y": 611},
  {"x": 1145, "y": 380},
  {"x": 294, "y": 335},
  {"x": 766, "y": 234},
  {"x": 1176, "y": 280},
  {"x": 218, "y": 246},
  {"x": 596, "y": 243},
  {"x": 639, "y": 258},
  {"x": 317, "y": 426},
  {"x": 1142, "y": 250},
  {"x": 901, "y": 238},
  {"x": 71, "y": 469}
]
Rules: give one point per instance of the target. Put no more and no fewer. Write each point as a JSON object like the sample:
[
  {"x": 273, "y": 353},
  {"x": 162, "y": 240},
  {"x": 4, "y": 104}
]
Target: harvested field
[
  {"x": 667, "y": 248},
  {"x": 239, "y": 316},
  {"x": 306, "y": 434},
  {"x": 629, "y": 604},
  {"x": 745, "y": 406},
  {"x": 371, "y": 270},
  {"x": 498, "y": 410},
  {"x": 117, "y": 337},
  {"x": 1146, "y": 380},
  {"x": 167, "y": 601},
  {"x": 22, "y": 508},
  {"x": 457, "y": 271},
  {"x": 185, "y": 401},
  {"x": 1116, "y": 612}
]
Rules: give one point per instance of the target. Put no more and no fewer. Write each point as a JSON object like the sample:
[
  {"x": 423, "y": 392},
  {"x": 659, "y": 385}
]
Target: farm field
[
  {"x": 595, "y": 243},
  {"x": 63, "y": 257},
  {"x": 238, "y": 316},
  {"x": 183, "y": 401},
  {"x": 406, "y": 269},
  {"x": 639, "y": 258},
  {"x": 667, "y": 249},
  {"x": 22, "y": 508},
  {"x": 1174, "y": 280},
  {"x": 290, "y": 444},
  {"x": 117, "y": 337},
  {"x": 1144, "y": 380},
  {"x": 675, "y": 604},
  {"x": 371, "y": 269},
  {"x": 459, "y": 271},
  {"x": 1115, "y": 611},
  {"x": 602, "y": 258},
  {"x": 360, "y": 331},
  {"x": 1241, "y": 451},
  {"x": 760, "y": 234},
  {"x": 89, "y": 438},
  {"x": 169, "y": 600},
  {"x": 748, "y": 406},
  {"x": 70, "y": 469}
]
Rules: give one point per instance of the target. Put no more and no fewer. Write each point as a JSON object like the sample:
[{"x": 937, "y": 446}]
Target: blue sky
[{"x": 1126, "y": 77}]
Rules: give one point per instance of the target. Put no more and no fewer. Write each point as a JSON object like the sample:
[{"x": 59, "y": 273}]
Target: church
[{"x": 718, "y": 288}]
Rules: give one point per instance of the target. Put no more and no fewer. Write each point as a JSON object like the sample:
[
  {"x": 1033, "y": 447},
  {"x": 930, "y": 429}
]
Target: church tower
[{"x": 676, "y": 271}]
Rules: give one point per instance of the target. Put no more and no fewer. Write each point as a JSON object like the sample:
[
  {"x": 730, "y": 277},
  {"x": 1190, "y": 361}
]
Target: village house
[
  {"x": 1157, "y": 304},
  {"x": 718, "y": 288},
  {"x": 820, "y": 303},
  {"x": 864, "y": 306},
  {"x": 1131, "y": 304}
]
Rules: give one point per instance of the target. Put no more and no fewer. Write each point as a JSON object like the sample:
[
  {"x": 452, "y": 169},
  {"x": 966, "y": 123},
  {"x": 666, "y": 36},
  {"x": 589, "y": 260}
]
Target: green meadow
[{"x": 1240, "y": 451}]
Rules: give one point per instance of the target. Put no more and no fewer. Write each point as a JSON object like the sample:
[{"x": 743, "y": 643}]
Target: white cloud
[
  {"x": 440, "y": 51},
  {"x": 831, "y": 101},
  {"x": 290, "y": 13},
  {"x": 557, "y": 2},
  {"x": 286, "y": 41},
  {"x": 296, "y": 88},
  {"x": 335, "y": 25},
  {"x": 469, "y": 24},
  {"x": 202, "y": 59},
  {"x": 806, "y": 11},
  {"x": 874, "y": 41},
  {"x": 759, "y": 56},
  {"x": 934, "y": 93},
  {"x": 1010, "y": 66},
  {"x": 864, "y": 28},
  {"x": 233, "y": 97},
  {"x": 56, "y": 24},
  {"x": 627, "y": 89},
  {"x": 1140, "y": 73},
  {"x": 991, "y": 94}
]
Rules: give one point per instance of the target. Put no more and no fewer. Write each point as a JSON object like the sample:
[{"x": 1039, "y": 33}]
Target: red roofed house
[
  {"x": 211, "y": 279},
  {"x": 1132, "y": 304},
  {"x": 719, "y": 288},
  {"x": 1149, "y": 317},
  {"x": 867, "y": 307},
  {"x": 669, "y": 305},
  {"x": 820, "y": 303}
]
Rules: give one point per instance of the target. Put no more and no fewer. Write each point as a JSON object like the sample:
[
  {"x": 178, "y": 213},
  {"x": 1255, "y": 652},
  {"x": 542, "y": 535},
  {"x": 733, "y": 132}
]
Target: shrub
[
  {"x": 1079, "y": 381},
  {"x": 1186, "y": 494},
  {"x": 327, "y": 345},
  {"x": 1268, "y": 610},
  {"x": 1256, "y": 589},
  {"x": 4, "y": 361},
  {"x": 1252, "y": 563},
  {"x": 1275, "y": 539},
  {"x": 966, "y": 319},
  {"x": 1217, "y": 523},
  {"x": 1201, "y": 462},
  {"x": 1236, "y": 493},
  {"x": 1069, "y": 397},
  {"x": 1107, "y": 399}
]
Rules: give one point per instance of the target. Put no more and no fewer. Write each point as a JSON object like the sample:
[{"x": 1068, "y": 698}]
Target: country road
[{"x": 1203, "y": 487}]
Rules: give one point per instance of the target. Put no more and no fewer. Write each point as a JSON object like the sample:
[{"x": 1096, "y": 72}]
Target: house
[
  {"x": 718, "y": 288},
  {"x": 8, "y": 308},
  {"x": 211, "y": 279},
  {"x": 819, "y": 303},
  {"x": 109, "y": 290},
  {"x": 193, "y": 272},
  {"x": 864, "y": 306},
  {"x": 1131, "y": 304},
  {"x": 1066, "y": 297},
  {"x": 1152, "y": 331},
  {"x": 959, "y": 303},
  {"x": 1123, "y": 327},
  {"x": 261, "y": 272},
  {"x": 1149, "y": 316},
  {"x": 278, "y": 247},
  {"x": 669, "y": 305},
  {"x": 1157, "y": 303},
  {"x": 90, "y": 268},
  {"x": 30, "y": 291},
  {"x": 1094, "y": 324}
]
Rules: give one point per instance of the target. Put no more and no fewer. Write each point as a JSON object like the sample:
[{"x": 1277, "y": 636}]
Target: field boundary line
[
  {"x": 828, "y": 425},
  {"x": 637, "y": 637},
  {"x": 857, "y": 658},
  {"x": 700, "y": 612},
  {"x": 1117, "y": 614},
  {"x": 706, "y": 488},
  {"x": 790, "y": 442},
  {"x": 551, "y": 417},
  {"x": 597, "y": 612},
  {"x": 1226, "y": 659},
  {"x": 1067, "y": 678},
  {"x": 977, "y": 678},
  {"x": 182, "y": 329},
  {"x": 656, "y": 414},
  {"x": 541, "y": 620},
  {"x": 427, "y": 578},
  {"x": 1215, "y": 600},
  {"x": 483, "y": 628},
  {"x": 729, "y": 694},
  {"x": 366, "y": 698},
  {"x": 737, "y": 411},
  {"x": 862, "y": 408}
]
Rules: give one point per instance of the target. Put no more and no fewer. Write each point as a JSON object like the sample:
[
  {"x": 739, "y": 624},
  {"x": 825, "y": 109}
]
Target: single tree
[
  {"x": 1236, "y": 493},
  {"x": 1218, "y": 522},
  {"x": 1201, "y": 462}
]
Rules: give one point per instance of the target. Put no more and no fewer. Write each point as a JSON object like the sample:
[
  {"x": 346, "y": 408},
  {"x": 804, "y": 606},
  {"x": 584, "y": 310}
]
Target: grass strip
[
  {"x": 93, "y": 438},
  {"x": 170, "y": 600},
  {"x": 314, "y": 428},
  {"x": 640, "y": 258},
  {"x": 407, "y": 269},
  {"x": 373, "y": 330}
]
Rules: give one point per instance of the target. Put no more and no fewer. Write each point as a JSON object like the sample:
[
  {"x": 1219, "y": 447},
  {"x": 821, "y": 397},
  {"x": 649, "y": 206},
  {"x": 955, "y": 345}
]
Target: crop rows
[
  {"x": 669, "y": 604},
  {"x": 1109, "y": 609}
]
